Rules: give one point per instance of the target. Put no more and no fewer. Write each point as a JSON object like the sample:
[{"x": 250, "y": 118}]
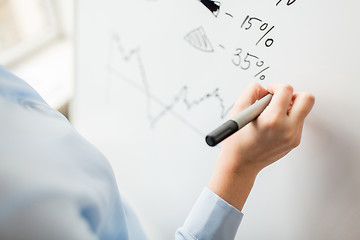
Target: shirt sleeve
[
  {"x": 211, "y": 218},
  {"x": 53, "y": 183},
  {"x": 59, "y": 186}
]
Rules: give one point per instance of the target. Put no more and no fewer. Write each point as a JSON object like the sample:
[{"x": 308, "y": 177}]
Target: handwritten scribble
[
  {"x": 289, "y": 2},
  {"x": 128, "y": 56},
  {"x": 181, "y": 97},
  {"x": 213, "y": 6},
  {"x": 198, "y": 39}
]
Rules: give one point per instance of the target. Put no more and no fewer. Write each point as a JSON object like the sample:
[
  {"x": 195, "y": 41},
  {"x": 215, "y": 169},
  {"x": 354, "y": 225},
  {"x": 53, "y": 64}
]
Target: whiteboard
[{"x": 153, "y": 77}]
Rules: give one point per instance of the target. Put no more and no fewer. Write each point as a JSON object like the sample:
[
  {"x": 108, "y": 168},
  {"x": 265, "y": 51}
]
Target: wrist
[
  {"x": 232, "y": 185},
  {"x": 238, "y": 163}
]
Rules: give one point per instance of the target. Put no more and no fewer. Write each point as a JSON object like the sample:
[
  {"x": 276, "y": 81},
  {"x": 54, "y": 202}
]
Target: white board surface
[{"x": 154, "y": 77}]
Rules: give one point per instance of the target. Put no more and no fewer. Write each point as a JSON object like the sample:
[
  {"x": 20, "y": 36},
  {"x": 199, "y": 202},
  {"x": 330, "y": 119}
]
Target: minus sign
[
  {"x": 229, "y": 15},
  {"x": 221, "y": 46}
]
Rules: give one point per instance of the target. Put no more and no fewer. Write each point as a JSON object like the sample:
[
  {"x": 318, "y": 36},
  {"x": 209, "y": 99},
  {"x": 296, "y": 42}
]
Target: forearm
[{"x": 233, "y": 187}]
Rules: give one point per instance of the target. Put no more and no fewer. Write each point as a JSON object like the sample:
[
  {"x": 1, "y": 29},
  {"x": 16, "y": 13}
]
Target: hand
[{"x": 271, "y": 136}]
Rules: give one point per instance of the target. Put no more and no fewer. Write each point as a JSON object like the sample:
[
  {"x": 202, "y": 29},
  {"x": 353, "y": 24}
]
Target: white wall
[{"x": 133, "y": 61}]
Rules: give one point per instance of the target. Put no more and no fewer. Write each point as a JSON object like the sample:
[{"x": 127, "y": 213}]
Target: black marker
[{"x": 237, "y": 122}]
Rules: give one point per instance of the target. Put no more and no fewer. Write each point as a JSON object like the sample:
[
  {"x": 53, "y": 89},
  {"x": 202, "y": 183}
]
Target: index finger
[{"x": 253, "y": 92}]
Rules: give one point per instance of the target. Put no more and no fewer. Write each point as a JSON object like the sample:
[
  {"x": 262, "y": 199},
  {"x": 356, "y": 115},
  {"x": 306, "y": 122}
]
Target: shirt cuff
[{"x": 212, "y": 218}]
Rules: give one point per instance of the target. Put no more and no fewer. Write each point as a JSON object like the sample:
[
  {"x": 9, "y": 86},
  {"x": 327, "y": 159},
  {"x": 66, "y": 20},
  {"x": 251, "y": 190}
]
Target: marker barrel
[{"x": 238, "y": 122}]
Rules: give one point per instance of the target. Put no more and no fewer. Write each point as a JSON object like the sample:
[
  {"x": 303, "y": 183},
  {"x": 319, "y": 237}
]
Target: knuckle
[
  {"x": 293, "y": 139},
  {"x": 309, "y": 98},
  {"x": 288, "y": 138},
  {"x": 288, "y": 88},
  {"x": 298, "y": 141}
]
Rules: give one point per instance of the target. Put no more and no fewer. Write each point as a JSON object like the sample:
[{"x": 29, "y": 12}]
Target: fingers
[
  {"x": 282, "y": 98},
  {"x": 284, "y": 102},
  {"x": 302, "y": 105},
  {"x": 253, "y": 92}
]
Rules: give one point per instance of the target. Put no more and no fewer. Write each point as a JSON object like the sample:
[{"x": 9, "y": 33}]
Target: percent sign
[
  {"x": 269, "y": 41},
  {"x": 260, "y": 64}
]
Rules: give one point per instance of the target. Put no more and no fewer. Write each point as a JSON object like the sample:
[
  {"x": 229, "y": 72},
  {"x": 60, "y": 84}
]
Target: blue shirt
[{"x": 56, "y": 185}]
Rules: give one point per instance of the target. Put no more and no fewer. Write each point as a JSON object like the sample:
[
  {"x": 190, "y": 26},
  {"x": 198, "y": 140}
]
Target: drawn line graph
[{"x": 181, "y": 97}]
